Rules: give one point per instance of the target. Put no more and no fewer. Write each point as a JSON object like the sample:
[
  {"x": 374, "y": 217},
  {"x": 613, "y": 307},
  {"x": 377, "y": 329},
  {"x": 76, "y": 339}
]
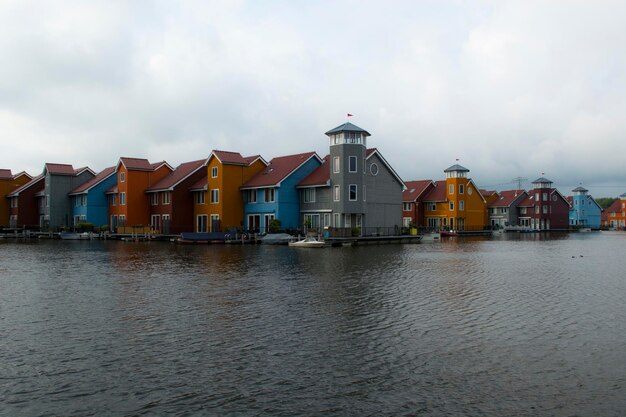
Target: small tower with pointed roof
[{"x": 348, "y": 151}]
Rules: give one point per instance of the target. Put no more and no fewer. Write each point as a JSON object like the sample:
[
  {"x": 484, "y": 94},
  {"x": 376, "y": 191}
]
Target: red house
[
  {"x": 412, "y": 207},
  {"x": 24, "y": 204},
  {"x": 545, "y": 208},
  {"x": 171, "y": 202}
]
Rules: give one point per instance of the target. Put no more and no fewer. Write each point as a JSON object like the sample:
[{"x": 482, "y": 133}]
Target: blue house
[
  {"x": 89, "y": 202},
  {"x": 272, "y": 195},
  {"x": 584, "y": 211}
]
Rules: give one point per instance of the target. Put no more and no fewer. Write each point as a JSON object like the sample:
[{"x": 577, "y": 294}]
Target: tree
[{"x": 605, "y": 202}]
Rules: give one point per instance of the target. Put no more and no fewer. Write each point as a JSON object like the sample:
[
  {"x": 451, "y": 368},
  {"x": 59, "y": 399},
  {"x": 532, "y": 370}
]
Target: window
[
  {"x": 406, "y": 206},
  {"x": 364, "y": 192},
  {"x": 312, "y": 220},
  {"x": 336, "y": 220},
  {"x": 326, "y": 219},
  {"x": 122, "y": 176},
  {"x": 155, "y": 222},
  {"x": 200, "y": 197},
  {"x": 469, "y": 190},
  {"x": 309, "y": 195},
  {"x": 575, "y": 202},
  {"x": 461, "y": 188},
  {"x": 545, "y": 196},
  {"x": 352, "y": 164},
  {"x": 114, "y": 199},
  {"x": 337, "y": 193},
  {"x": 374, "y": 169},
  {"x": 432, "y": 206},
  {"x": 406, "y": 221},
  {"x": 83, "y": 200},
  {"x": 122, "y": 199},
  {"x": 165, "y": 218},
  {"x": 352, "y": 192},
  {"x": 252, "y": 196},
  {"x": 154, "y": 199},
  {"x": 14, "y": 202},
  {"x": 213, "y": 172},
  {"x": 522, "y": 210},
  {"x": 461, "y": 205},
  {"x": 347, "y": 219},
  {"x": 504, "y": 210},
  {"x": 359, "y": 221},
  {"x": 270, "y": 195},
  {"x": 268, "y": 218},
  {"x": 336, "y": 164},
  {"x": 536, "y": 209},
  {"x": 451, "y": 189},
  {"x": 122, "y": 219},
  {"x": 215, "y": 196},
  {"x": 166, "y": 197},
  {"x": 451, "y": 205},
  {"x": 536, "y": 196},
  {"x": 215, "y": 222},
  {"x": 545, "y": 209},
  {"x": 201, "y": 223}
]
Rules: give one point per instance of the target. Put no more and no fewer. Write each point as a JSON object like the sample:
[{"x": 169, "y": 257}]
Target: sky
[{"x": 510, "y": 88}]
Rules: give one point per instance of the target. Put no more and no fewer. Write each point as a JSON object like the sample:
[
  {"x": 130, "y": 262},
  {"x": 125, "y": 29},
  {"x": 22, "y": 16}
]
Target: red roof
[
  {"x": 112, "y": 190},
  {"x": 6, "y": 174},
  {"x": 437, "y": 193},
  {"x": 507, "y": 198},
  {"x": 179, "y": 174},
  {"x": 201, "y": 185},
  {"x": 102, "y": 175},
  {"x": 415, "y": 189},
  {"x": 320, "y": 176},
  {"x": 139, "y": 164},
  {"x": 487, "y": 193},
  {"x": 232, "y": 158},
  {"x": 30, "y": 183},
  {"x": 60, "y": 169},
  {"x": 278, "y": 169},
  {"x": 616, "y": 207}
]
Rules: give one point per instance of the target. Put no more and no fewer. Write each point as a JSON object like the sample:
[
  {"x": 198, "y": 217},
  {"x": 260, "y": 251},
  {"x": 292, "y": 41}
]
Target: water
[{"x": 514, "y": 325}]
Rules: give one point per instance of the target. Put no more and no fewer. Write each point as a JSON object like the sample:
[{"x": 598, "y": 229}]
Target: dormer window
[
  {"x": 214, "y": 172},
  {"x": 122, "y": 176}
]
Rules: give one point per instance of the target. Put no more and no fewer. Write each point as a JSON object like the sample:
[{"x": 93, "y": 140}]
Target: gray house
[
  {"x": 56, "y": 205},
  {"x": 355, "y": 190},
  {"x": 503, "y": 210}
]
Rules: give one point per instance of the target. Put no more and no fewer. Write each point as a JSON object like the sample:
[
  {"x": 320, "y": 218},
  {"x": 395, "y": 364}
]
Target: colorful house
[
  {"x": 200, "y": 207},
  {"x": 171, "y": 203},
  {"x": 455, "y": 203},
  {"x": 129, "y": 205},
  {"x": 584, "y": 210},
  {"x": 8, "y": 184},
  {"x": 354, "y": 191},
  {"x": 24, "y": 205},
  {"x": 412, "y": 199},
  {"x": 60, "y": 180},
  {"x": 89, "y": 200},
  {"x": 544, "y": 208},
  {"x": 503, "y": 210},
  {"x": 616, "y": 213},
  {"x": 226, "y": 173},
  {"x": 272, "y": 195}
]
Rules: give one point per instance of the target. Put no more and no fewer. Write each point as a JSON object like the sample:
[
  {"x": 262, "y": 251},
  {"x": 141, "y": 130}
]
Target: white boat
[
  {"x": 308, "y": 242},
  {"x": 277, "y": 239},
  {"x": 75, "y": 236}
]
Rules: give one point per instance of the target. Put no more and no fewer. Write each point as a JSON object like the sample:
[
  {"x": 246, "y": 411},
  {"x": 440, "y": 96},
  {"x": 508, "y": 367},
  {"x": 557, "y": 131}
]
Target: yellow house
[
  {"x": 455, "y": 203},
  {"x": 226, "y": 173}
]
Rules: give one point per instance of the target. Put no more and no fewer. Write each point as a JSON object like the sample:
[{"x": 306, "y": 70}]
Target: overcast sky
[{"x": 511, "y": 88}]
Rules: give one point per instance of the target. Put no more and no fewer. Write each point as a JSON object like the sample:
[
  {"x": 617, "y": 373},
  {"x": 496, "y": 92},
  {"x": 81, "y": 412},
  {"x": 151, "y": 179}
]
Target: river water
[{"x": 510, "y": 325}]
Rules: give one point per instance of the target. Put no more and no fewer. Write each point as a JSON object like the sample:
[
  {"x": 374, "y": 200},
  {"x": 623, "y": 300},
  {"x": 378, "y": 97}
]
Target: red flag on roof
[{"x": 350, "y": 115}]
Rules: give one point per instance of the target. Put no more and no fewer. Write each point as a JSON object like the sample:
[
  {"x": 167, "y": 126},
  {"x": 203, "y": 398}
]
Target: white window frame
[
  {"x": 406, "y": 206},
  {"x": 114, "y": 199},
  {"x": 451, "y": 189},
  {"x": 200, "y": 223},
  {"x": 336, "y": 220},
  {"x": 451, "y": 206},
  {"x": 166, "y": 198},
  {"x": 270, "y": 195},
  {"x": 154, "y": 199},
  {"x": 356, "y": 165},
  {"x": 326, "y": 220},
  {"x": 122, "y": 176},
  {"x": 355, "y": 188},
  {"x": 337, "y": 193},
  {"x": 461, "y": 189},
  {"x": 200, "y": 197},
  {"x": 252, "y": 196},
  {"x": 461, "y": 205},
  {"x": 215, "y": 196},
  {"x": 122, "y": 198},
  {"x": 309, "y": 195},
  {"x": 336, "y": 164},
  {"x": 214, "y": 172}
]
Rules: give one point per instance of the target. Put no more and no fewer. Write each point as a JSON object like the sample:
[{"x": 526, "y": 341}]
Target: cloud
[{"x": 511, "y": 88}]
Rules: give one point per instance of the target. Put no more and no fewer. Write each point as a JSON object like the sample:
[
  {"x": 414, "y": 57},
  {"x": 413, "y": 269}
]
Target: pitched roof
[
  {"x": 319, "y": 177},
  {"x": 181, "y": 172},
  {"x": 347, "y": 127},
  {"x": 374, "y": 151},
  {"x": 201, "y": 185},
  {"x": 230, "y": 158},
  {"x": 508, "y": 197},
  {"x": 29, "y": 184},
  {"x": 19, "y": 174},
  {"x": 60, "y": 169},
  {"x": 580, "y": 189},
  {"x": 278, "y": 169},
  {"x": 415, "y": 188},
  {"x": 101, "y": 176},
  {"x": 487, "y": 193},
  {"x": 112, "y": 190},
  {"x": 136, "y": 164},
  {"x": 6, "y": 174},
  {"x": 616, "y": 207},
  {"x": 437, "y": 193},
  {"x": 540, "y": 180},
  {"x": 456, "y": 167}
]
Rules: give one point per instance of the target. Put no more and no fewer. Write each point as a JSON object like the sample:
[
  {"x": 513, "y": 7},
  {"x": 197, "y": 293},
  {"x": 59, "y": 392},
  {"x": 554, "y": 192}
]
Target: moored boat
[
  {"x": 75, "y": 236},
  {"x": 308, "y": 242}
]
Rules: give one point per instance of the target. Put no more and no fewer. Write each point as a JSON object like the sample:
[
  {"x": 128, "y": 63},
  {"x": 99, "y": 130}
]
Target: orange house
[
  {"x": 129, "y": 205},
  {"x": 616, "y": 214},
  {"x": 226, "y": 173},
  {"x": 8, "y": 184},
  {"x": 455, "y": 203}
]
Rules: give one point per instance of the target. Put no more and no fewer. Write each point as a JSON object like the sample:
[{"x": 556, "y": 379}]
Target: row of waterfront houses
[{"x": 352, "y": 190}]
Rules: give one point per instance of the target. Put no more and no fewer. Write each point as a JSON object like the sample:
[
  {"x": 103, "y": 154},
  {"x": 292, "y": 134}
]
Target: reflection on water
[{"x": 517, "y": 324}]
